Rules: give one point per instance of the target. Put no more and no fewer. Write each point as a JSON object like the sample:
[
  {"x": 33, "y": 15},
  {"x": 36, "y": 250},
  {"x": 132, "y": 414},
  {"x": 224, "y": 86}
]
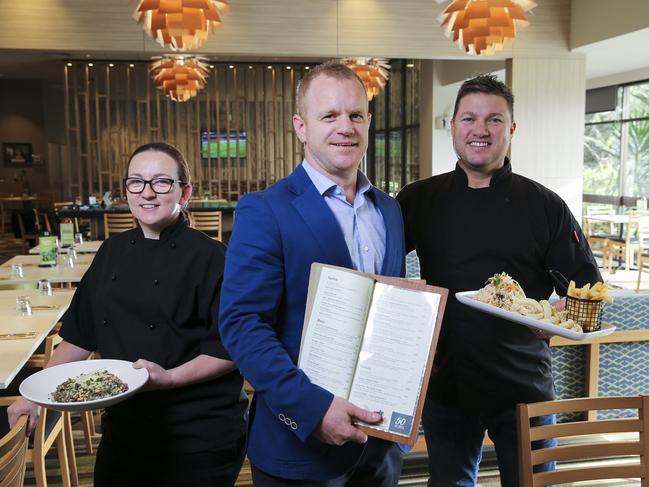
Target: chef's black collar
[
  {"x": 497, "y": 177},
  {"x": 171, "y": 231}
]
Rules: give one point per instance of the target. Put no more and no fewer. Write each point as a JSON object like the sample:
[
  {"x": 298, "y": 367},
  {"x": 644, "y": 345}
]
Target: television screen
[{"x": 215, "y": 145}]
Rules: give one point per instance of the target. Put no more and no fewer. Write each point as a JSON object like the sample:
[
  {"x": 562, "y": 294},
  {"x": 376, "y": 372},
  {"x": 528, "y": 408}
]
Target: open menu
[{"x": 371, "y": 340}]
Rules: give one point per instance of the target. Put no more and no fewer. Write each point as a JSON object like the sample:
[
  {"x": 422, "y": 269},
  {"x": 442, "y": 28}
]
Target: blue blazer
[{"x": 278, "y": 233}]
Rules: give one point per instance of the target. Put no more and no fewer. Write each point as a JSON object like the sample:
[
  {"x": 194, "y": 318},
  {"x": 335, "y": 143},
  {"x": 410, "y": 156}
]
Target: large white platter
[
  {"x": 39, "y": 386},
  {"x": 466, "y": 297}
]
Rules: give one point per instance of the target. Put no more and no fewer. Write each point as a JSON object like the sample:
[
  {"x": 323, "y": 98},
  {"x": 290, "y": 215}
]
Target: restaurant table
[
  {"x": 87, "y": 247},
  {"x": 620, "y": 220},
  {"x": 46, "y": 312},
  {"x": 25, "y": 200},
  {"x": 33, "y": 273},
  {"x": 96, "y": 213}
]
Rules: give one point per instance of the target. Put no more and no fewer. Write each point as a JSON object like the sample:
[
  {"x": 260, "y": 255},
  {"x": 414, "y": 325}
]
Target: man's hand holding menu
[
  {"x": 370, "y": 341},
  {"x": 336, "y": 427}
]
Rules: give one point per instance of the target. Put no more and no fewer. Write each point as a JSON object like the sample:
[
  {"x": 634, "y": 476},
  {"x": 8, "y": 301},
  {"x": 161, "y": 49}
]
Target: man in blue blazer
[{"x": 325, "y": 211}]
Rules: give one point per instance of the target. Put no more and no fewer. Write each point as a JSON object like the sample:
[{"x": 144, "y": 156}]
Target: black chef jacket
[
  {"x": 462, "y": 237},
  {"x": 158, "y": 300}
]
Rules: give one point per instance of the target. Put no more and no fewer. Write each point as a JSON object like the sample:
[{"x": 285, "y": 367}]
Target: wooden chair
[
  {"x": 626, "y": 247},
  {"x": 642, "y": 247},
  {"x": 50, "y": 431},
  {"x": 117, "y": 223},
  {"x": 79, "y": 223},
  {"x": 599, "y": 233},
  {"x": 591, "y": 445},
  {"x": 87, "y": 419},
  {"x": 13, "y": 450},
  {"x": 209, "y": 222},
  {"x": 53, "y": 427}
]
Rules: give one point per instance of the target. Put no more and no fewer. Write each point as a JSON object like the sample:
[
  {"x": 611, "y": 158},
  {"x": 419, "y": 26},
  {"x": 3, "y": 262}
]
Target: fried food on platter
[{"x": 504, "y": 292}]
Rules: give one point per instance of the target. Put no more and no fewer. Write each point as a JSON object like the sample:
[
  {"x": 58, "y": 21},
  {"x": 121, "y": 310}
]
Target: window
[
  {"x": 393, "y": 153},
  {"x": 616, "y": 149}
]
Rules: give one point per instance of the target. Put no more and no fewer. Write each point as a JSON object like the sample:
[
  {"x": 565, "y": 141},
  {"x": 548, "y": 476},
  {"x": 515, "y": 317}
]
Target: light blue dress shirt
[{"x": 361, "y": 222}]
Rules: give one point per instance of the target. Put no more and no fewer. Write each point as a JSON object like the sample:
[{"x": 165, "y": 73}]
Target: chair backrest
[
  {"x": 209, "y": 222},
  {"x": 591, "y": 227},
  {"x": 61, "y": 204},
  {"x": 13, "y": 450},
  {"x": 591, "y": 444},
  {"x": 117, "y": 223},
  {"x": 643, "y": 232},
  {"x": 41, "y": 359}
]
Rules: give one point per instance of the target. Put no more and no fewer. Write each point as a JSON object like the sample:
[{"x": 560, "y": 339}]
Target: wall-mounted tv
[{"x": 215, "y": 145}]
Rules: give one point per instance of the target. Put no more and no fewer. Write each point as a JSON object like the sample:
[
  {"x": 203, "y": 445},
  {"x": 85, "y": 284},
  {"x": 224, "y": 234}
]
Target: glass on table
[
  {"x": 17, "y": 271},
  {"x": 23, "y": 306},
  {"x": 45, "y": 287},
  {"x": 66, "y": 260},
  {"x": 78, "y": 238},
  {"x": 72, "y": 253}
]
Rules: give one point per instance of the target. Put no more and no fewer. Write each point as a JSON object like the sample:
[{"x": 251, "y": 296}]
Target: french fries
[{"x": 598, "y": 292}]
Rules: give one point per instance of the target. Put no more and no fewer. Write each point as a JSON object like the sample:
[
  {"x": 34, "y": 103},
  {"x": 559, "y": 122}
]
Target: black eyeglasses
[{"x": 158, "y": 185}]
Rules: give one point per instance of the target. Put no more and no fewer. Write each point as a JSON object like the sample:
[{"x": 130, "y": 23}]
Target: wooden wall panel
[
  {"x": 549, "y": 110},
  {"x": 109, "y": 111}
]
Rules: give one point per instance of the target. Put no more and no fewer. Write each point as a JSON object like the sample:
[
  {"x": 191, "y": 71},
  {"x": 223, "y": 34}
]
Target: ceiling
[
  {"x": 613, "y": 56},
  {"x": 620, "y": 54},
  {"x": 48, "y": 65}
]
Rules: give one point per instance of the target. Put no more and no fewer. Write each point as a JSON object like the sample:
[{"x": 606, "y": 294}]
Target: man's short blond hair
[{"x": 333, "y": 69}]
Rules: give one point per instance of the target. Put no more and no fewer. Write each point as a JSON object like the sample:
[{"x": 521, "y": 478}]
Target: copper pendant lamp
[
  {"x": 180, "y": 24},
  {"x": 482, "y": 27},
  {"x": 374, "y": 72},
  {"x": 179, "y": 77}
]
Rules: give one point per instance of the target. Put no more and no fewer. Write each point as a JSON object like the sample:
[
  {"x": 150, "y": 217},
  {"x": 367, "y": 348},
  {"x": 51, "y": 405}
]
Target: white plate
[
  {"x": 38, "y": 387},
  {"x": 466, "y": 297}
]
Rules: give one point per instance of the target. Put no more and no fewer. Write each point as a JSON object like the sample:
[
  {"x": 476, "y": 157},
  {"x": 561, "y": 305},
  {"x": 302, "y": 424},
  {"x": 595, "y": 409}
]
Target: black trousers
[
  {"x": 135, "y": 467},
  {"x": 379, "y": 466}
]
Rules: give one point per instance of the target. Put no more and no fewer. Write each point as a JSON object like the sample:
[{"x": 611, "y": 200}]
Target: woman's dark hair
[{"x": 171, "y": 151}]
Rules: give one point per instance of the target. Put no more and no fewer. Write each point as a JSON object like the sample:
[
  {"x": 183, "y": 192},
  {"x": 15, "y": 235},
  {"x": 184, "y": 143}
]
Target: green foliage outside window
[{"x": 616, "y": 146}]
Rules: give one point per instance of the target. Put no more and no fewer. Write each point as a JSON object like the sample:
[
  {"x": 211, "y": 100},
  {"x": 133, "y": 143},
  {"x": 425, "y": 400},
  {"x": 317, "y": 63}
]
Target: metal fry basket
[{"x": 586, "y": 312}]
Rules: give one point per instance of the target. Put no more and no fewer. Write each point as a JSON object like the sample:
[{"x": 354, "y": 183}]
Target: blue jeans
[{"x": 454, "y": 441}]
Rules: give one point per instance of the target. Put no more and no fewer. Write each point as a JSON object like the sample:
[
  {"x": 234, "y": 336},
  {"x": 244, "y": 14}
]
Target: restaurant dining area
[{"x": 163, "y": 170}]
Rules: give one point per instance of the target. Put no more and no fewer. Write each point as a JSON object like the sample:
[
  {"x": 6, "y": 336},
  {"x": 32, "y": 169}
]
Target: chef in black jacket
[
  {"x": 151, "y": 296},
  {"x": 467, "y": 225}
]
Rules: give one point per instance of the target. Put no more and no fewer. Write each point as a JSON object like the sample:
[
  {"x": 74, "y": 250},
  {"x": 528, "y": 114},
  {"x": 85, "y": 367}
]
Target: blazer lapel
[
  {"x": 393, "y": 262},
  {"x": 318, "y": 217}
]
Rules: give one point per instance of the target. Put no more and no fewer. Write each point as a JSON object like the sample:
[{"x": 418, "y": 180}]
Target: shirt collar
[
  {"x": 325, "y": 185},
  {"x": 496, "y": 178}
]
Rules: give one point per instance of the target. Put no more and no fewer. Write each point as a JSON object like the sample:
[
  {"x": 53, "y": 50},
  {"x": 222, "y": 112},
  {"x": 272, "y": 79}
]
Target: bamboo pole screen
[{"x": 237, "y": 134}]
